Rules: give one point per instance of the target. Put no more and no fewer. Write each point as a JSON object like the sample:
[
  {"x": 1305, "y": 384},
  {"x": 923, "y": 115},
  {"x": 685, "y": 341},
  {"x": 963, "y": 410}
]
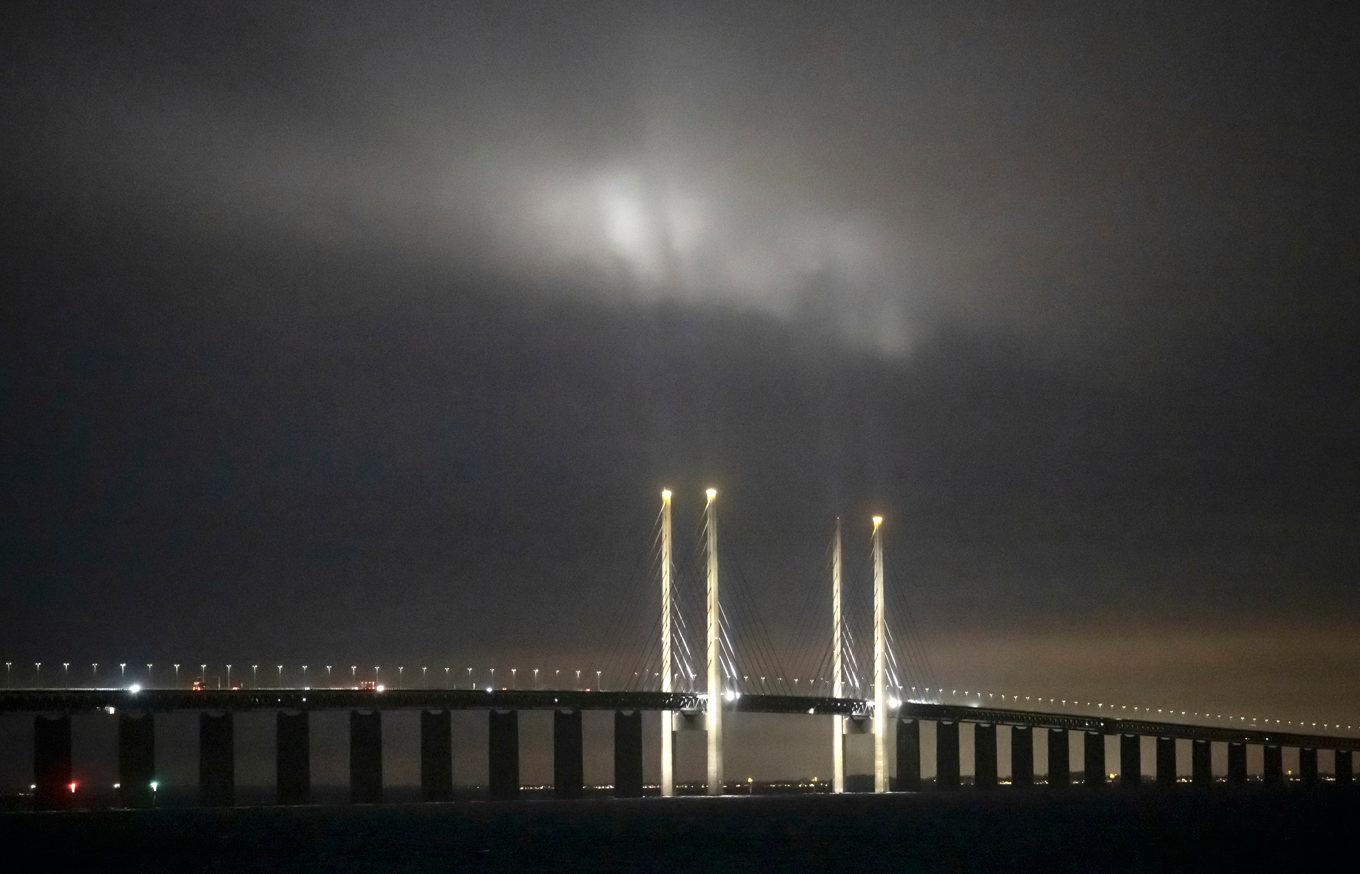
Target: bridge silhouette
[{"x": 694, "y": 689}]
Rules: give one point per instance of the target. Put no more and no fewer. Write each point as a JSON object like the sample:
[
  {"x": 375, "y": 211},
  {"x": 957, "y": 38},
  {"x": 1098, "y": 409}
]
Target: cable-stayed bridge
[{"x": 870, "y": 673}]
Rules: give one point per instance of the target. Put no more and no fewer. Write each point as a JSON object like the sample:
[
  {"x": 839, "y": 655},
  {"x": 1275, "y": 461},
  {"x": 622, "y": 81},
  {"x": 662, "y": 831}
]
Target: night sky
[{"x": 370, "y": 333}]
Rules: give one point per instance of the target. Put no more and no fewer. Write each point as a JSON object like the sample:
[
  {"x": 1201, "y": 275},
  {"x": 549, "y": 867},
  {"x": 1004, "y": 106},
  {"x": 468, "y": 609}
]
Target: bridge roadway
[
  {"x": 1115, "y": 726},
  {"x": 56, "y": 783},
  {"x": 168, "y": 700}
]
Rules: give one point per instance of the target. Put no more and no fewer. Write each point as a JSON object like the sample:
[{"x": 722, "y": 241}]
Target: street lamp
[
  {"x": 514, "y": 673},
  {"x": 228, "y": 676}
]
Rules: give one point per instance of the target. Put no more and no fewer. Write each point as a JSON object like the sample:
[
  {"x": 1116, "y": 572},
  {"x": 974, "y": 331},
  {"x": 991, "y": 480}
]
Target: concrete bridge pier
[
  {"x": 984, "y": 756},
  {"x": 1308, "y": 771},
  {"x": 1273, "y": 772},
  {"x": 1022, "y": 756},
  {"x": 216, "y": 760},
  {"x": 136, "y": 758},
  {"x": 908, "y": 755},
  {"x": 436, "y": 755},
  {"x": 365, "y": 757},
  {"x": 503, "y": 752},
  {"x": 568, "y": 769},
  {"x": 52, "y": 761},
  {"x": 1237, "y": 763},
  {"x": 293, "y": 757},
  {"x": 1201, "y": 763},
  {"x": 1093, "y": 752},
  {"x": 947, "y": 755},
  {"x": 628, "y": 754},
  {"x": 1059, "y": 768},
  {"x": 1344, "y": 773},
  {"x": 1166, "y": 761},
  {"x": 1130, "y": 761}
]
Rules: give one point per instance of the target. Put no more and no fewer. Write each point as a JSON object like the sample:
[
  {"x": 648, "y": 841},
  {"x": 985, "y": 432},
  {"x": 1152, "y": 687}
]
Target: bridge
[{"x": 894, "y": 708}]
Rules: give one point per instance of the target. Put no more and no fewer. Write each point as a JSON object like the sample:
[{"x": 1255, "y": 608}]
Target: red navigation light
[{"x": 72, "y": 786}]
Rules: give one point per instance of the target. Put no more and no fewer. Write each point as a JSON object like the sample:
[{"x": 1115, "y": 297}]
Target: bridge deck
[
  {"x": 1107, "y": 725},
  {"x": 166, "y": 700}
]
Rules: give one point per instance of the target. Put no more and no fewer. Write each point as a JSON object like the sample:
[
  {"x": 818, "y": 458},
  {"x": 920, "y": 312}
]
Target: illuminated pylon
[
  {"x": 667, "y": 729},
  {"x": 837, "y": 721},
  {"x": 880, "y": 678},
  {"x": 713, "y": 721}
]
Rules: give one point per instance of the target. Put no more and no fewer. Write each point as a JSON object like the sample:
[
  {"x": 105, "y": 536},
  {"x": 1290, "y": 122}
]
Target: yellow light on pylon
[
  {"x": 878, "y": 520},
  {"x": 665, "y": 494},
  {"x": 712, "y": 493}
]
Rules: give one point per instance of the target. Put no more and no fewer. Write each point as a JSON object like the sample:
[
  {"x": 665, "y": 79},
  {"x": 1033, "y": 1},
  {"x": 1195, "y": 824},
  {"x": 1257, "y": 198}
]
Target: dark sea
[{"x": 1078, "y": 829}]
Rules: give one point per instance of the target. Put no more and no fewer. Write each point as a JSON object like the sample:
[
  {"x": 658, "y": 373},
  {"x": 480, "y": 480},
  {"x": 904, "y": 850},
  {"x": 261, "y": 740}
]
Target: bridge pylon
[
  {"x": 880, "y": 667},
  {"x": 837, "y": 721},
  {"x": 667, "y": 728},
  {"x": 713, "y": 709}
]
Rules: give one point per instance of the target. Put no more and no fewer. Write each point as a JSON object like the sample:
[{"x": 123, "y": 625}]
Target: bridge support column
[
  {"x": 216, "y": 760},
  {"x": 1308, "y": 772},
  {"x": 436, "y": 755},
  {"x": 52, "y": 762},
  {"x": 1059, "y": 767},
  {"x": 293, "y": 758},
  {"x": 628, "y": 754},
  {"x": 947, "y": 755},
  {"x": 908, "y": 755},
  {"x": 1166, "y": 761},
  {"x": 1344, "y": 773},
  {"x": 136, "y": 758},
  {"x": 365, "y": 757},
  {"x": 713, "y": 714},
  {"x": 1130, "y": 761},
  {"x": 1093, "y": 753},
  {"x": 1022, "y": 756},
  {"x": 1237, "y": 763},
  {"x": 503, "y": 751},
  {"x": 1272, "y": 774},
  {"x": 984, "y": 756},
  {"x": 568, "y": 769},
  {"x": 1201, "y": 763}
]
